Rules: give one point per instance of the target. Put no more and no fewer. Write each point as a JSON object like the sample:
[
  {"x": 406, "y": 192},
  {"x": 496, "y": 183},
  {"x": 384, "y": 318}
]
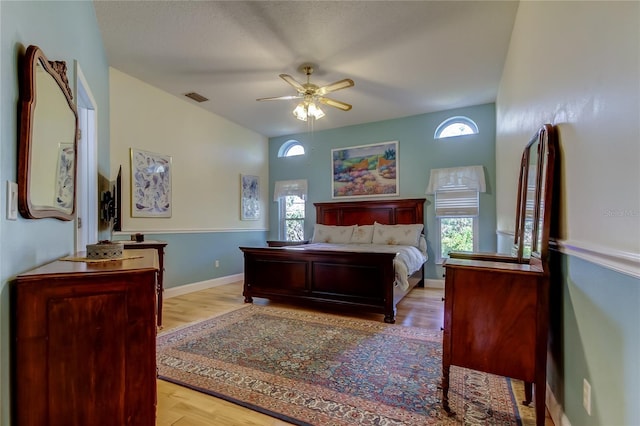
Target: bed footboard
[{"x": 362, "y": 280}]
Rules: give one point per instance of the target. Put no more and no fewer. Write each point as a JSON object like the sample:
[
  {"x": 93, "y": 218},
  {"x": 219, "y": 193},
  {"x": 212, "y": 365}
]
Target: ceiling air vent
[{"x": 196, "y": 97}]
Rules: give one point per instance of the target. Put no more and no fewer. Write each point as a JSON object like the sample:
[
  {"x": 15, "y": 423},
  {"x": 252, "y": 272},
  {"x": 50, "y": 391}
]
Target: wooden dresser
[
  {"x": 496, "y": 321},
  {"x": 83, "y": 349},
  {"x": 159, "y": 246},
  {"x": 496, "y": 308}
]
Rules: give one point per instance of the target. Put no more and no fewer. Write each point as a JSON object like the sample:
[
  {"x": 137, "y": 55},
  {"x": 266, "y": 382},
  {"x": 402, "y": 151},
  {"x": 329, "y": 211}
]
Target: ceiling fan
[{"x": 310, "y": 94}]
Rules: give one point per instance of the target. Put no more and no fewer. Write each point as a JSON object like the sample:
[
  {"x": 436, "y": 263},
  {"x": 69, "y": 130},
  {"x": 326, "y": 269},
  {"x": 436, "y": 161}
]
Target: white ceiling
[{"x": 406, "y": 57}]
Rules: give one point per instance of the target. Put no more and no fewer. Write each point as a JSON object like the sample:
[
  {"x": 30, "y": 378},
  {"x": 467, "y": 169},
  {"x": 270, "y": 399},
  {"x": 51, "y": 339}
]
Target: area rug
[{"x": 319, "y": 369}]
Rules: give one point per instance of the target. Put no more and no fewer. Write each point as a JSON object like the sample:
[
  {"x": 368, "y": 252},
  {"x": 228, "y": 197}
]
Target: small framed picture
[
  {"x": 249, "y": 197},
  {"x": 150, "y": 184}
]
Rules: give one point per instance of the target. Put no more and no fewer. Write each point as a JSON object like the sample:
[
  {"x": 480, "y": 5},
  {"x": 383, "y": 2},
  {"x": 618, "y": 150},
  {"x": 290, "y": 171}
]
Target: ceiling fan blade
[
  {"x": 342, "y": 84},
  {"x": 336, "y": 104},
  {"x": 280, "y": 98},
  {"x": 292, "y": 82}
]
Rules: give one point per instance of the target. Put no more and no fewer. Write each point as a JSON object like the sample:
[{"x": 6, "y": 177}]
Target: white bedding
[{"x": 407, "y": 261}]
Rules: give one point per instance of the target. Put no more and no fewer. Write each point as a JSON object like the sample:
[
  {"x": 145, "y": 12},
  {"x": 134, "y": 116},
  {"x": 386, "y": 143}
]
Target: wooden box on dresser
[{"x": 84, "y": 343}]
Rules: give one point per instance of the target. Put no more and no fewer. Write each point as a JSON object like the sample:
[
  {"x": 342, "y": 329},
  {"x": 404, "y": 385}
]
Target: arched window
[
  {"x": 291, "y": 148},
  {"x": 456, "y": 126}
]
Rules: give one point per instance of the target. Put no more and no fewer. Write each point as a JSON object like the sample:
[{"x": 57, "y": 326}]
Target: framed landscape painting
[
  {"x": 365, "y": 170},
  {"x": 150, "y": 184}
]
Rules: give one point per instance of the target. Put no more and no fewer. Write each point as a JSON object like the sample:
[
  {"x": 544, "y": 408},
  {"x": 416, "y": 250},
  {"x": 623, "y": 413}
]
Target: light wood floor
[{"x": 180, "y": 406}]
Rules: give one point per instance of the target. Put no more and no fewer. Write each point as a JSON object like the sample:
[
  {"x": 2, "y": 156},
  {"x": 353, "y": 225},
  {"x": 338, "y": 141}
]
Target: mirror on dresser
[
  {"x": 526, "y": 203},
  {"x": 531, "y": 236},
  {"x": 47, "y": 140},
  {"x": 537, "y": 194}
]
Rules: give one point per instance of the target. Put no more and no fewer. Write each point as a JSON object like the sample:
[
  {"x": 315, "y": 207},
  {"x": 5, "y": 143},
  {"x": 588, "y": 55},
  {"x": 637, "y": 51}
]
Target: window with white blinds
[
  {"x": 456, "y": 190},
  {"x": 291, "y": 196},
  {"x": 457, "y": 203},
  {"x": 296, "y": 188}
]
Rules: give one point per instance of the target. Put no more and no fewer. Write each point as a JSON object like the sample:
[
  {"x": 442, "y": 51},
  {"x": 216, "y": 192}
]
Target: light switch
[{"x": 12, "y": 200}]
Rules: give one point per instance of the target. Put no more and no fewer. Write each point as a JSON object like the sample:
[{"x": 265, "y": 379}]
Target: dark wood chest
[{"x": 83, "y": 339}]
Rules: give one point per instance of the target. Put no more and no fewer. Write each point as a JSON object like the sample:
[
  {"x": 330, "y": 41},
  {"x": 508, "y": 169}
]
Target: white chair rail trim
[
  {"x": 187, "y": 231},
  {"x": 624, "y": 262}
]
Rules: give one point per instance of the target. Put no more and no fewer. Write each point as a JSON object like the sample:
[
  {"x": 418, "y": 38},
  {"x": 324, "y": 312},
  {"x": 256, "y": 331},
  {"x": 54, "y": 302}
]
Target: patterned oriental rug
[{"x": 319, "y": 369}]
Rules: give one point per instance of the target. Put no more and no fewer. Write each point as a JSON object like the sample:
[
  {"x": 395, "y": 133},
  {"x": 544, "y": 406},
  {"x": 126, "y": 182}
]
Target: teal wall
[
  {"x": 65, "y": 31},
  {"x": 595, "y": 320},
  {"x": 418, "y": 153},
  {"x": 190, "y": 257}
]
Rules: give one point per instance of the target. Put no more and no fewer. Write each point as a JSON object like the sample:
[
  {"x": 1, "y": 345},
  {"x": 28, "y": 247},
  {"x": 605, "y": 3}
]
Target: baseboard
[
  {"x": 555, "y": 409},
  {"x": 202, "y": 285},
  {"x": 434, "y": 283}
]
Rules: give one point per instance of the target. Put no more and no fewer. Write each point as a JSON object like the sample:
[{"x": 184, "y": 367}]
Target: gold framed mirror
[{"x": 47, "y": 139}]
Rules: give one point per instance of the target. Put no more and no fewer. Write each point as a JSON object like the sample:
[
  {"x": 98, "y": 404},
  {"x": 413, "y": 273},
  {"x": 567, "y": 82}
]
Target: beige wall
[
  {"x": 208, "y": 155},
  {"x": 575, "y": 64}
]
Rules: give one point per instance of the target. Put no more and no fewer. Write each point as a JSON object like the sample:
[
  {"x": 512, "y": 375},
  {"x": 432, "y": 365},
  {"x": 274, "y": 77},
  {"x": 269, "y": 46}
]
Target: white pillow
[
  {"x": 332, "y": 234},
  {"x": 422, "y": 245},
  {"x": 362, "y": 234},
  {"x": 407, "y": 235}
]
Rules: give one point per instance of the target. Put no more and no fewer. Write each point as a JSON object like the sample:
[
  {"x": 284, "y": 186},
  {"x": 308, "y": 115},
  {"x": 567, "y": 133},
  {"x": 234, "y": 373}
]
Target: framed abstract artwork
[
  {"x": 365, "y": 170},
  {"x": 249, "y": 197},
  {"x": 150, "y": 184},
  {"x": 64, "y": 177}
]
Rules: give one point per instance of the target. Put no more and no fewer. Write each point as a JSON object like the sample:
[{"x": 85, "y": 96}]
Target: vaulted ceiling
[{"x": 405, "y": 57}]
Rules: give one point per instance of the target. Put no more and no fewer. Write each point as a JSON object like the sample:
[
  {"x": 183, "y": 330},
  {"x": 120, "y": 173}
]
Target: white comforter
[{"x": 407, "y": 261}]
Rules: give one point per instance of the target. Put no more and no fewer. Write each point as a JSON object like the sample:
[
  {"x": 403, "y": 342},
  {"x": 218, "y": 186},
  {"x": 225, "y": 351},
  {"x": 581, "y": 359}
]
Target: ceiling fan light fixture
[
  {"x": 315, "y": 111},
  {"x": 300, "y": 111},
  {"x": 311, "y": 95},
  {"x": 307, "y": 109}
]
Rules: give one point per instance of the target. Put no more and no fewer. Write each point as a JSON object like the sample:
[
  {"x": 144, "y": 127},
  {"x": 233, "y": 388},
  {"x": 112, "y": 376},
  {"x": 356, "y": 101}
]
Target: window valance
[
  {"x": 468, "y": 178},
  {"x": 296, "y": 187},
  {"x": 456, "y": 190}
]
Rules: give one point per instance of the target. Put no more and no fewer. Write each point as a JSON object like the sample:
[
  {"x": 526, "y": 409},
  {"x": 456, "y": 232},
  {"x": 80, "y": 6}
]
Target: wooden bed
[{"x": 363, "y": 281}]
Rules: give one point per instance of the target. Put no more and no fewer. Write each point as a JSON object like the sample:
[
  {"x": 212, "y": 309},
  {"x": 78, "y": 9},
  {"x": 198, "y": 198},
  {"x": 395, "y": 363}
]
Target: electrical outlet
[
  {"x": 586, "y": 396},
  {"x": 217, "y": 263}
]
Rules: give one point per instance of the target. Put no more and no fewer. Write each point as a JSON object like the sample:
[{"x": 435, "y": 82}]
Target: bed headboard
[{"x": 387, "y": 212}]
